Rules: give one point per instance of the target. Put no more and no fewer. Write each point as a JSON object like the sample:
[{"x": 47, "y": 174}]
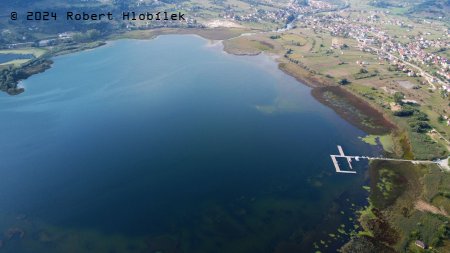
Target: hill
[{"x": 432, "y": 9}]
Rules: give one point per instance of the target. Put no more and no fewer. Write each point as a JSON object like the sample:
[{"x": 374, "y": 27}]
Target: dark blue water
[
  {"x": 171, "y": 145},
  {"x": 10, "y": 57}
]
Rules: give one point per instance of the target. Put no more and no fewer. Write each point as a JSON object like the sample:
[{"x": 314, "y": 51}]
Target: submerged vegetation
[
  {"x": 406, "y": 204},
  {"x": 354, "y": 109}
]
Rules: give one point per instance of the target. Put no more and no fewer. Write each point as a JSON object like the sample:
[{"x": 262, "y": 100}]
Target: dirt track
[{"x": 426, "y": 207}]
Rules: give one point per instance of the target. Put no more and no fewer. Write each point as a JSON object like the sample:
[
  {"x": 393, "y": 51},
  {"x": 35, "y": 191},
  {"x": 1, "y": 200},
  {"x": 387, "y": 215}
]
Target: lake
[{"x": 172, "y": 145}]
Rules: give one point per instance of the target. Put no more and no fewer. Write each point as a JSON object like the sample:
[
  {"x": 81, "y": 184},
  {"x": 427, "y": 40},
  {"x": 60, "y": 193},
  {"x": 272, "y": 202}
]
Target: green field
[{"x": 36, "y": 52}]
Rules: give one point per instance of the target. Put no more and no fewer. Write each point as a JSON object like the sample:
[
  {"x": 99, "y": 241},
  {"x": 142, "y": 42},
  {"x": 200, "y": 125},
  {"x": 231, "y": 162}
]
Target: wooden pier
[{"x": 349, "y": 159}]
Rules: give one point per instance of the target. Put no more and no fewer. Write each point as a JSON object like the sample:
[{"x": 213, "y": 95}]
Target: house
[
  {"x": 411, "y": 74},
  {"x": 44, "y": 43},
  {"x": 421, "y": 244}
]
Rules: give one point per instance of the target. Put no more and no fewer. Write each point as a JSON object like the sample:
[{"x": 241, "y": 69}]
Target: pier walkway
[{"x": 441, "y": 163}]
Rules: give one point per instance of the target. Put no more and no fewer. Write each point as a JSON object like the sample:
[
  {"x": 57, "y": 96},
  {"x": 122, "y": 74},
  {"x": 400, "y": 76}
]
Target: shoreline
[
  {"x": 319, "y": 87},
  {"x": 373, "y": 121},
  {"x": 318, "y": 84},
  {"x": 308, "y": 79},
  {"x": 40, "y": 65},
  {"x": 44, "y": 62}
]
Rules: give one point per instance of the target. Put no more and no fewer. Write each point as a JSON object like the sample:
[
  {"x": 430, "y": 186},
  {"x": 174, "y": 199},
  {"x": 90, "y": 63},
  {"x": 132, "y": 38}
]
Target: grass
[
  {"x": 420, "y": 226},
  {"x": 294, "y": 39},
  {"x": 16, "y": 63},
  {"x": 251, "y": 45},
  {"x": 395, "y": 187},
  {"x": 386, "y": 141},
  {"x": 371, "y": 93},
  {"x": 442, "y": 202},
  {"x": 424, "y": 148},
  {"x": 431, "y": 182},
  {"x": 439, "y": 190},
  {"x": 37, "y": 52},
  {"x": 213, "y": 34},
  {"x": 370, "y": 139}
]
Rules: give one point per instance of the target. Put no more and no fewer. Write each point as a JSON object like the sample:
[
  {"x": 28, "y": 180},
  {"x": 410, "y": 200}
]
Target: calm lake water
[{"x": 172, "y": 145}]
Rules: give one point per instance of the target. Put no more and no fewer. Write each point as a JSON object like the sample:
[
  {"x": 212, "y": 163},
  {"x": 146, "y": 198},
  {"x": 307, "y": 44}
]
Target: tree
[
  {"x": 421, "y": 116},
  {"x": 420, "y": 127},
  {"x": 398, "y": 97},
  {"x": 363, "y": 71},
  {"x": 92, "y": 34},
  {"x": 406, "y": 112}
]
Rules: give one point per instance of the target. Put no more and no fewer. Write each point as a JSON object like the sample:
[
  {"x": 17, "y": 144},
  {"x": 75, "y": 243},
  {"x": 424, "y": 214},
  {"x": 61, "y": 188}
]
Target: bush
[
  {"x": 398, "y": 97},
  {"x": 421, "y": 116},
  {"x": 420, "y": 126},
  {"x": 344, "y": 81},
  {"x": 405, "y": 112}
]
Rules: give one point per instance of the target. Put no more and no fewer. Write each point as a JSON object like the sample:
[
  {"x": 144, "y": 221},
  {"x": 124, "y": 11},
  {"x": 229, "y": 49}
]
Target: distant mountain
[
  {"x": 20, "y": 4},
  {"x": 433, "y": 9},
  {"x": 386, "y": 4},
  {"x": 67, "y": 3},
  {"x": 436, "y": 9}
]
